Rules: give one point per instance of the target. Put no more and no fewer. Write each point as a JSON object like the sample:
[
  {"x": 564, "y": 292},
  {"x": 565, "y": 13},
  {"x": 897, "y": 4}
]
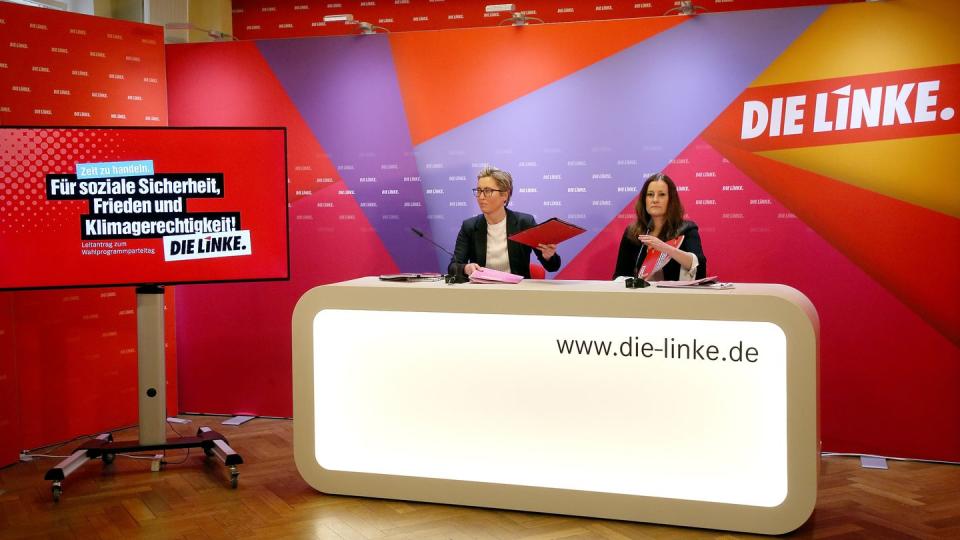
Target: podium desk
[{"x": 676, "y": 406}]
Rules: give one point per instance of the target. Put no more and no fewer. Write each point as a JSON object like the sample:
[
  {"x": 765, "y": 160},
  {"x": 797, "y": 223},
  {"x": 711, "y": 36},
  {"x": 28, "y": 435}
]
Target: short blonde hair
[{"x": 503, "y": 179}]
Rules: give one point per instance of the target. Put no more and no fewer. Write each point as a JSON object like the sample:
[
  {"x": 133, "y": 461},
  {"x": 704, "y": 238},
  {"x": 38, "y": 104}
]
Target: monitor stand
[{"x": 151, "y": 382}]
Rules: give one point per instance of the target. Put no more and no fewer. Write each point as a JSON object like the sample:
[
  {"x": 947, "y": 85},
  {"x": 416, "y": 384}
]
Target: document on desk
[
  {"x": 551, "y": 231},
  {"x": 488, "y": 275},
  {"x": 412, "y": 276},
  {"x": 703, "y": 283}
]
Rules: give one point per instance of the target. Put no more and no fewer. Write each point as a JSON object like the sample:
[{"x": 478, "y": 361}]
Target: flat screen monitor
[{"x": 82, "y": 206}]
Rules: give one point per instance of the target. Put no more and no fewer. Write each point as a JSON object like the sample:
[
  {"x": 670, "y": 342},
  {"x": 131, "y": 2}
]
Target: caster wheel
[
  {"x": 234, "y": 477},
  {"x": 108, "y": 458},
  {"x": 57, "y": 492}
]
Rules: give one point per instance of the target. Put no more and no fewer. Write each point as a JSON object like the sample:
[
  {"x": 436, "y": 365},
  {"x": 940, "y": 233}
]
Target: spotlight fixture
[
  {"x": 369, "y": 28},
  {"x": 517, "y": 18},
  {"x": 344, "y": 18},
  {"x": 500, "y": 8},
  {"x": 51, "y": 4},
  {"x": 216, "y": 35},
  {"x": 685, "y": 7},
  {"x": 347, "y": 18}
]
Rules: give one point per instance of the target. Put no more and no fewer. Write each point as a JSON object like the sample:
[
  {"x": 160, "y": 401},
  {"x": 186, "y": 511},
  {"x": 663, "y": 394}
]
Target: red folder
[
  {"x": 656, "y": 260},
  {"x": 551, "y": 231}
]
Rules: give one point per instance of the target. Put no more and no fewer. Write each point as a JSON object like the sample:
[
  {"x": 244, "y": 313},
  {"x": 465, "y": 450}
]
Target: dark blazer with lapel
[{"x": 472, "y": 245}]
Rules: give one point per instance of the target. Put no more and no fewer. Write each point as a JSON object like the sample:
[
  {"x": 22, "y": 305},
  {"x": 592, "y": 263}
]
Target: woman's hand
[
  {"x": 652, "y": 242},
  {"x": 471, "y": 268},
  {"x": 548, "y": 250}
]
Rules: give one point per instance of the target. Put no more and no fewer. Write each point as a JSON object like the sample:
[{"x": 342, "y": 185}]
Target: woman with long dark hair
[{"x": 660, "y": 220}]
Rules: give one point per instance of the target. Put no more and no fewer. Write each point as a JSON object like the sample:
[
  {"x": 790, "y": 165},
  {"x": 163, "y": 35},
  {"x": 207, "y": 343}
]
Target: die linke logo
[
  {"x": 888, "y": 105},
  {"x": 206, "y": 245}
]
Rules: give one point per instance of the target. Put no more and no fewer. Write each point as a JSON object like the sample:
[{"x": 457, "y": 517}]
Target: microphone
[
  {"x": 458, "y": 276},
  {"x": 643, "y": 250},
  {"x": 419, "y": 233}
]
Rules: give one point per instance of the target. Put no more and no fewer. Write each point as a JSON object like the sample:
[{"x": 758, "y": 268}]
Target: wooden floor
[{"x": 193, "y": 500}]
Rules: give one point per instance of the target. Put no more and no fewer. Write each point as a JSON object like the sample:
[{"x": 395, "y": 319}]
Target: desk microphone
[
  {"x": 637, "y": 282},
  {"x": 642, "y": 251},
  {"x": 458, "y": 276},
  {"x": 419, "y": 233}
]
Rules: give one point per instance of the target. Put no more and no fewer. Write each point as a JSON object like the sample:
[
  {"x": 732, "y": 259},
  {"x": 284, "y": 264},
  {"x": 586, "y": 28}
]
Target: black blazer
[
  {"x": 629, "y": 251},
  {"x": 472, "y": 245}
]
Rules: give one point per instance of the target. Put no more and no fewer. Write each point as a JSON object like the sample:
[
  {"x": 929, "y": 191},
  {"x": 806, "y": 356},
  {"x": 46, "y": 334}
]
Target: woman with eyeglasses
[
  {"x": 660, "y": 220},
  {"x": 482, "y": 241}
]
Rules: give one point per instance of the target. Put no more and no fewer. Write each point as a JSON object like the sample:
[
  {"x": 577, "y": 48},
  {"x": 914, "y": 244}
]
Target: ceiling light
[
  {"x": 216, "y": 35},
  {"x": 344, "y": 18},
  {"x": 685, "y": 7},
  {"x": 517, "y": 17},
  {"x": 500, "y": 8}
]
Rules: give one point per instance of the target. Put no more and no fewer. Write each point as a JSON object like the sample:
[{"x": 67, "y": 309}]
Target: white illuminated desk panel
[{"x": 688, "y": 407}]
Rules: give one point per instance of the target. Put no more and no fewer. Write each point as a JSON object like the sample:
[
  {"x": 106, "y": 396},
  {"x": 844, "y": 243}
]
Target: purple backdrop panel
[
  {"x": 580, "y": 148},
  {"x": 346, "y": 89}
]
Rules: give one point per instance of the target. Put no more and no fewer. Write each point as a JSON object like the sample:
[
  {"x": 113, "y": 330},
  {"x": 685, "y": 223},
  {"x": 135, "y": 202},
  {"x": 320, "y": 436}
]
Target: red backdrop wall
[
  {"x": 94, "y": 330},
  {"x": 68, "y": 358},
  {"x": 890, "y": 362}
]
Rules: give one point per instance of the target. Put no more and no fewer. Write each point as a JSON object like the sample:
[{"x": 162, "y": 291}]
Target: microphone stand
[
  {"x": 458, "y": 276},
  {"x": 638, "y": 282}
]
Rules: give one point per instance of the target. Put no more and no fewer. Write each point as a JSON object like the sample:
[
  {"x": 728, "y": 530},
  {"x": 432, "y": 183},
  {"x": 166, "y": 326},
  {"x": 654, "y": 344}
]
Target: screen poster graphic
[{"x": 112, "y": 206}]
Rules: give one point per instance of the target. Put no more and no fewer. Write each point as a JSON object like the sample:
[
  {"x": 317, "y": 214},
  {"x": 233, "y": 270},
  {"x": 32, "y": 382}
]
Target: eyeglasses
[{"x": 486, "y": 192}]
